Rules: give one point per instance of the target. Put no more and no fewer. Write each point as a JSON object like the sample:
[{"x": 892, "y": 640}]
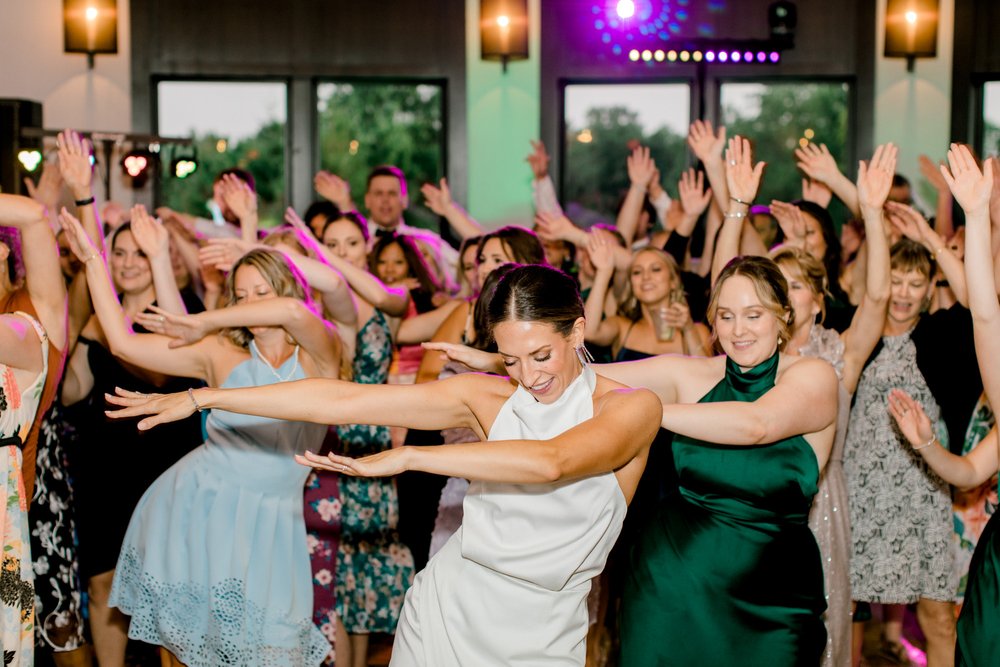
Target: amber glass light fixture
[
  {"x": 503, "y": 30},
  {"x": 911, "y": 30},
  {"x": 91, "y": 27}
]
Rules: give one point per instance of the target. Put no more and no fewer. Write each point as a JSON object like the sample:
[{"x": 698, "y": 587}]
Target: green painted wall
[{"x": 503, "y": 116}]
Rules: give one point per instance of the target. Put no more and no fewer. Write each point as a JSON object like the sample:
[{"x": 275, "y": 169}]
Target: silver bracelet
[
  {"x": 735, "y": 215},
  {"x": 927, "y": 444}
]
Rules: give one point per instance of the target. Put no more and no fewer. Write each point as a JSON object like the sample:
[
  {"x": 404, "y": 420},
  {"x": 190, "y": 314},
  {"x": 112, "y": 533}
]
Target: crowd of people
[{"x": 713, "y": 432}]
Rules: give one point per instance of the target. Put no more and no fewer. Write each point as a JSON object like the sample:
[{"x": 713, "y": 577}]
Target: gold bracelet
[{"x": 93, "y": 256}]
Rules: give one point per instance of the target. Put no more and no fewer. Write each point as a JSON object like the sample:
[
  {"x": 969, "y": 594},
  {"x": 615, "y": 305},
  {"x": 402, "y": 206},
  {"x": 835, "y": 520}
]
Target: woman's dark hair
[
  {"x": 11, "y": 237},
  {"x": 831, "y": 258},
  {"x": 124, "y": 227},
  {"x": 415, "y": 262},
  {"x": 480, "y": 311},
  {"x": 351, "y": 216},
  {"x": 322, "y": 207},
  {"x": 536, "y": 293},
  {"x": 521, "y": 244},
  {"x": 647, "y": 207}
]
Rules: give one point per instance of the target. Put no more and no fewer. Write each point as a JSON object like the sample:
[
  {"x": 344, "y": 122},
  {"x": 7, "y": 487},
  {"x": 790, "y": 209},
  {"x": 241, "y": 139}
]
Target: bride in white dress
[{"x": 565, "y": 451}]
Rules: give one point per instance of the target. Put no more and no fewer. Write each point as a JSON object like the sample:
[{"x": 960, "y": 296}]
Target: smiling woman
[{"x": 548, "y": 495}]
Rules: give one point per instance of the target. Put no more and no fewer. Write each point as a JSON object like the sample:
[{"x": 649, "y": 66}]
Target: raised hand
[
  {"x": 600, "y": 252},
  {"x": 384, "y": 464},
  {"x": 913, "y": 422},
  {"x": 971, "y": 187},
  {"x": 49, "y": 186},
  {"x": 641, "y": 167},
  {"x": 240, "y": 199},
  {"x": 817, "y": 163},
  {"x": 79, "y": 241},
  {"x": 556, "y": 227},
  {"x": 742, "y": 176},
  {"x": 150, "y": 235},
  {"x": 791, "y": 221},
  {"x": 438, "y": 199},
  {"x": 163, "y": 408},
  {"x": 538, "y": 160},
  {"x": 932, "y": 172},
  {"x": 908, "y": 221},
  {"x": 678, "y": 315},
  {"x": 477, "y": 360},
  {"x": 816, "y": 192},
  {"x": 74, "y": 163},
  {"x": 706, "y": 144},
  {"x": 333, "y": 188},
  {"x": 222, "y": 254},
  {"x": 691, "y": 192},
  {"x": 184, "y": 329},
  {"x": 875, "y": 178},
  {"x": 655, "y": 187},
  {"x": 293, "y": 220}
]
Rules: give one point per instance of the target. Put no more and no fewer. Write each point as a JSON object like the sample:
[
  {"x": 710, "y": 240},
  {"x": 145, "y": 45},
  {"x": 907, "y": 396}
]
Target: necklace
[{"x": 267, "y": 363}]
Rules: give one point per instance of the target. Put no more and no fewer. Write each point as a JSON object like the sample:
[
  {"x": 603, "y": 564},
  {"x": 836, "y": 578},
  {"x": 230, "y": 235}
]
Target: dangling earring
[{"x": 584, "y": 355}]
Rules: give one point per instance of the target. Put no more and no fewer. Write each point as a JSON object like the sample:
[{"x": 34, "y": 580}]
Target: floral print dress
[
  {"x": 17, "y": 593},
  {"x": 374, "y": 569}
]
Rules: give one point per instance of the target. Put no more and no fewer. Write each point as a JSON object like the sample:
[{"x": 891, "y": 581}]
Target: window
[
  {"x": 233, "y": 124},
  {"x": 365, "y": 124},
  {"x": 603, "y": 123},
  {"x": 778, "y": 117},
  {"x": 991, "y": 119}
]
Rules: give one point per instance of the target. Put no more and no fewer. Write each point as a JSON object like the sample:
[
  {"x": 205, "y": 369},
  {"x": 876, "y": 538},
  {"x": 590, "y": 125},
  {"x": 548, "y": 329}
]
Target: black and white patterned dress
[{"x": 901, "y": 518}]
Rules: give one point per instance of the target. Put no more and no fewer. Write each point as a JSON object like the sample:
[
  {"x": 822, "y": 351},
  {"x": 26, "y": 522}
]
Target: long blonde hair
[{"x": 630, "y": 307}]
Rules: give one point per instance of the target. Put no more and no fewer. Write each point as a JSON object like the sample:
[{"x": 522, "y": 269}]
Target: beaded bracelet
[
  {"x": 735, "y": 215},
  {"x": 193, "y": 400}
]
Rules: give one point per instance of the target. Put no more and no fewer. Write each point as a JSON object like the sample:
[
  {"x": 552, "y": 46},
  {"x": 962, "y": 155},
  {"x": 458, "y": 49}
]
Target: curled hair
[
  {"x": 522, "y": 245},
  {"x": 351, "y": 216},
  {"x": 282, "y": 276},
  {"x": 770, "y": 286},
  {"x": 11, "y": 237},
  {"x": 536, "y": 293},
  {"x": 416, "y": 266},
  {"x": 906, "y": 255},
  {"x": 630, "y": 307},
  {"x": 806, "y": 268}
]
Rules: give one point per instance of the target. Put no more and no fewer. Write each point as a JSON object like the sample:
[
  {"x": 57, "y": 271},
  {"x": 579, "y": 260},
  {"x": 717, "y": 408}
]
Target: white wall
[
  {"x": 33, "y": 66},
  {"x": 913, "y": 110}
]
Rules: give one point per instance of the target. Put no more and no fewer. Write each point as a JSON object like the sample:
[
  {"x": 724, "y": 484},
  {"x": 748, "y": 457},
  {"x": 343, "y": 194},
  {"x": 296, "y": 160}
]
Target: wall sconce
[
  {"x": 911, "y": 30},
  {"x": 503, "y": 30},
  {"x": 91, "y": 27}
]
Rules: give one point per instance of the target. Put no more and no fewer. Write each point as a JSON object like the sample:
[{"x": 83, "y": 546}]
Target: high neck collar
[{"x": 752, "y": 379}]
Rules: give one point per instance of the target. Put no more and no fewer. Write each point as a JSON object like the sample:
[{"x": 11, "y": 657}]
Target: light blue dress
[{"x": 215, "y": 566}]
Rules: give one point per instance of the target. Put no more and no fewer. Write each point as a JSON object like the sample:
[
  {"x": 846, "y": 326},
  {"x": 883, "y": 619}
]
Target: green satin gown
[
  {"x": 728, "y": 572},
  {"x": 979, "y": 623}
]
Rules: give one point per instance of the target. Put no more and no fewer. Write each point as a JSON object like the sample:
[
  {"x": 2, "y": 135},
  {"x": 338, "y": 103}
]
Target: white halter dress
[{"x": 510, "y": 587}]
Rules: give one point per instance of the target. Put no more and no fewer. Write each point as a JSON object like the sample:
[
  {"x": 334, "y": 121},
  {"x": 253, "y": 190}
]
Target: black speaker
[{"x": 15, "y": 115}]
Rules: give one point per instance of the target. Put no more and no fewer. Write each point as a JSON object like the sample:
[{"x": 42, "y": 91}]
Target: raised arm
[
  {"x": 707, "y": 146},
  {"x": 438, "y": 199},
  {"x": 742, "y": 182},
  {"x": 874, "y": 182},
  {"x": 148, "y": 351},
  {"x": 818, "y": 164},
  {"x": 334, "y": 189},
  {"x": 242, "y": 201},
  {"x": 153, "y": 240},
  {"x": 392, "y": 301},
  {"x": 965, "y": 472},
  {"x": 600, "y": 330},
  {"x": 942, "y": 216},
  {"x": 543, "y": 191},
  {"x": 973, "y": 189},
  {"x": 620, "y": 432},
  {"x": 40, "y": 255},
  {"x": 641, "y": 169}
]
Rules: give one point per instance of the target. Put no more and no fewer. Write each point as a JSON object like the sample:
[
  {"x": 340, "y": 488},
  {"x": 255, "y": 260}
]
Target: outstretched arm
[
  {"x": 641, "y": 170},
  {"x": 819, "y": 165},
  {"x": 965, "y": 472},
  {"x": 438, "y": 199},
  {"x": 707, "y": 145},
  {"x": 742, "y": 182},
  {"x": 622, "y": 429}
]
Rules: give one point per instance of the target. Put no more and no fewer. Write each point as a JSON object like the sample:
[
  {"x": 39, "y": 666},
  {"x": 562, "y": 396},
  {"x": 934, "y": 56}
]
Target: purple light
[
  {"x": 735, "y": 56},
  {"x": 748, "y": 57},
  {"x": 710, "y": 56},
  {"x": 775, "y": 56},
  {"x": 761, "y": 56},
  {"x": 723, "y": 56}
]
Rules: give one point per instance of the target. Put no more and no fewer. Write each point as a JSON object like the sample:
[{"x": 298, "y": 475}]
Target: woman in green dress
[{"x": 728, "y": 572}]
